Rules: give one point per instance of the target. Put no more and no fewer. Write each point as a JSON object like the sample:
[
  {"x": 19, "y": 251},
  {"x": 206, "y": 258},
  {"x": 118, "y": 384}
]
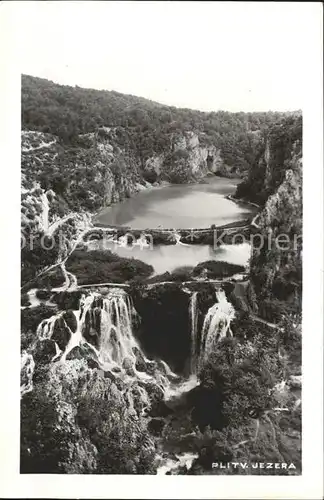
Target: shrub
[
  {"x": 121, "y": 440},
  {"x": 32, "y": 316},
  {"x": 24, "y": 300},
  {"x": 217, "y": 269},
  {"x": 67, "y": 300},
  {"x": 105, "y": 266},
  {"x": 43, "y": 294},
  {"x": 42, "y": 447}
]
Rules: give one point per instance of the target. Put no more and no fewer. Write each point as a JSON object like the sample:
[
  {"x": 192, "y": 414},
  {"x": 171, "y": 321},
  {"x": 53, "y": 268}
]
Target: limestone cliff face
[
  {"x": 201, "y": 159},
  {"x": 273, "y": 157},
  {"x": 94, "y": 172},
  {"x": 185, "y": 159},
  {"x": 276, "y": 267}
]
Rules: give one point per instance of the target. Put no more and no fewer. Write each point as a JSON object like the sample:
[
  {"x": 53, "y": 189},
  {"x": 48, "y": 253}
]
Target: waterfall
[
  {"x": 104, "y": 327},
  {"x": 104, "y": 330},
  {"x": 217, "y": 324},
  {"x": 117, "y": 343},
  {"x": 142, "y": 242},
  {"x": 104, "y": 324},
  {"x": 193, "y": 316},
  {"x": 27, "y": 366},
  {"x": 123, "y": 241},
  {"x": 177, "y": 239},
  {"x": 45, "y": 210}
]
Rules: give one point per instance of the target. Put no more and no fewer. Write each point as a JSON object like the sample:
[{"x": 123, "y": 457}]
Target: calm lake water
[
  {"x": 169, "y": 257},
  {"x": 179, "y": 206}
]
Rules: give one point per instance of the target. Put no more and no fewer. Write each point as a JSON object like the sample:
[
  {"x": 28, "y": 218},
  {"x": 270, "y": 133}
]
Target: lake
[
  {"x": 179, "y": 206},
  {"x": 169, "y": 257}
]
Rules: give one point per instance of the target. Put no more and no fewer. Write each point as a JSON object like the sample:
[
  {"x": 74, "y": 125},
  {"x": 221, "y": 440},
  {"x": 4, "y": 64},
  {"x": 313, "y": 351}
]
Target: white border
[{"x": 309, "y": 485}]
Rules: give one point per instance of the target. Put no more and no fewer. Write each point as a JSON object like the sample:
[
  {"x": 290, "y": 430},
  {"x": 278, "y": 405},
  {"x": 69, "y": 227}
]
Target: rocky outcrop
[
  {"x": 153, "y": 168},
  {"x": 273, "y": 157},
  {"x": 201, "y": 158},
  {"x": 276, "y": 263},
  {"x": 77, "y": 420},
  {"x": 189, "y": 159},
  {"x": 100, "y": 172}
]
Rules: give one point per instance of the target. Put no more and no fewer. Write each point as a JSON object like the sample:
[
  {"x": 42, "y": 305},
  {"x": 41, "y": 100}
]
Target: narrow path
[
  {"x": 41, "y": 146},
  {"x": 55, "y": 225},
  {"x": 62, "y": 260}
]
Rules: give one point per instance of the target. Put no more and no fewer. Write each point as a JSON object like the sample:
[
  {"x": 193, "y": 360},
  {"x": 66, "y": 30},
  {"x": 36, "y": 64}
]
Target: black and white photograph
[{"x": 162, "y": 229}]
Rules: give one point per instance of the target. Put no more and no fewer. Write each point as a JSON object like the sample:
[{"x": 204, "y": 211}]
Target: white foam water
[
  {"x": 169, "y": 464},
  {"x": 193, "y": 315},
  {"x": 111, "y": 318},
  {"x": 45, "y": 211},
  {"x": 27, "y": 366},
  {"x": 217, "y": 323}
]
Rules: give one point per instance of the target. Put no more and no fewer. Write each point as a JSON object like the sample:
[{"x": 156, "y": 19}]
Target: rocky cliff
[
  {"x": 276, "y": 262},
  {"x": 273, "y": 155},
  {"x": 186, "y": 159}
]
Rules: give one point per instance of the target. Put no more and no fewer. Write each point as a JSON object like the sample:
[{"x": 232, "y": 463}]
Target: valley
[{"x": 148, "y": 345}]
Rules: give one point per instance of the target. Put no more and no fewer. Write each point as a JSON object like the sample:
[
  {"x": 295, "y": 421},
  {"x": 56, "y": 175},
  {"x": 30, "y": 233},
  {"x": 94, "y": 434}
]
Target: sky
[{"x": 240, "y": 56}]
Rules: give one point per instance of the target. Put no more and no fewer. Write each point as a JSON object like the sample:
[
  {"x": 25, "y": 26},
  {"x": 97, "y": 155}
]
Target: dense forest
[{"x": 142, "y": 125}]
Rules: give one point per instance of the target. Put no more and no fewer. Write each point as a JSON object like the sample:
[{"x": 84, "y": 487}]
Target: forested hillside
[{"x": 144, "y": 126}]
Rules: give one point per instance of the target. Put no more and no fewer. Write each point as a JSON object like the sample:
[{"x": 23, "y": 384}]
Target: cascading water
[
  {"x": 103, "y": 329},
  {"x": 45, "y": 210},
  {"x": 117, "y": 343},
  {"x": 217, "y": 324},
  {"x": 193, "y": 315},
  {"x": 184, "y": 459},
  {"x": 142, "y": 242},
  {"x": 177, "y": 238},
  {"x": 105, "y": 325},
  {"x": 27, "y": 366}
]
